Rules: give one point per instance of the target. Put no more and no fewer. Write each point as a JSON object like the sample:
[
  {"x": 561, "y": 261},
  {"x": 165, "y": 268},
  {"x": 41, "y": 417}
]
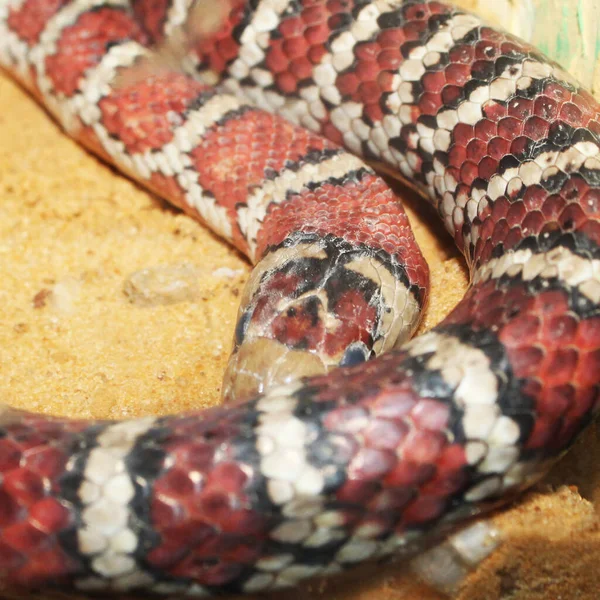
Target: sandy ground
[{"x": 72, "y": 234}]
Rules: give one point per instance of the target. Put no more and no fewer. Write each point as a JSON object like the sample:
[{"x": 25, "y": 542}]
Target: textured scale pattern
[{"x": 312, "y": 476}]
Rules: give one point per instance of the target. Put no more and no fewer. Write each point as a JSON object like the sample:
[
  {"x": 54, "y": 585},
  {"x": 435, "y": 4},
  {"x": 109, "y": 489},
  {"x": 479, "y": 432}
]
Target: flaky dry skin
[{"x": 73, "y": 232}]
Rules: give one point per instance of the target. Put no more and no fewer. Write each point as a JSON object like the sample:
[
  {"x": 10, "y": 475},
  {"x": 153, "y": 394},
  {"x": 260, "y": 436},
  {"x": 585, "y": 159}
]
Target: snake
[{"x": 340, "y": 439}]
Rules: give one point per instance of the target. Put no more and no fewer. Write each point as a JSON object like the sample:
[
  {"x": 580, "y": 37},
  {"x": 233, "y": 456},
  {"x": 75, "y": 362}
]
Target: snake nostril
[{"x": 355, "y": 354}]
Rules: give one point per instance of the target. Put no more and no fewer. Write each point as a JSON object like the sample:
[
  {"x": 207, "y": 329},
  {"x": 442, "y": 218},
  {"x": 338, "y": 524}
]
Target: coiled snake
[{"x": 310, "y": 476}]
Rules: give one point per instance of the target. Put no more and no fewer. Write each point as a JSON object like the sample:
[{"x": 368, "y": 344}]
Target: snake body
[{"x": 375, "y": 458}]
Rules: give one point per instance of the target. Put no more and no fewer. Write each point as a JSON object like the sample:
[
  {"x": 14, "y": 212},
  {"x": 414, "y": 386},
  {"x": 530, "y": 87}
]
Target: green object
[{"x": 569, "y": 32}]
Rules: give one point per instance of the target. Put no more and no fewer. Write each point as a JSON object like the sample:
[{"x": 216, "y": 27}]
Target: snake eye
[
  {"x": 355, "y": 354},
  {"x": 242, "y": 327}
]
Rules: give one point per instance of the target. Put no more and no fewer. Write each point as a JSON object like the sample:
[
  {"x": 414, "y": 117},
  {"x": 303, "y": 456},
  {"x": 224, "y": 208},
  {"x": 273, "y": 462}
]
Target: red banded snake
[{"x": 312, "y": 477}]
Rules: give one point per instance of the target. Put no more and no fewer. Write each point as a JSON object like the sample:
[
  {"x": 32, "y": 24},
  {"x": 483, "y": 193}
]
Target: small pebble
[{"x": 163, "y": 285}]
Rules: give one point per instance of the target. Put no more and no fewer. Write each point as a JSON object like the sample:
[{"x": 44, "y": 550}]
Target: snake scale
[{"x": 308, "y": 469}]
